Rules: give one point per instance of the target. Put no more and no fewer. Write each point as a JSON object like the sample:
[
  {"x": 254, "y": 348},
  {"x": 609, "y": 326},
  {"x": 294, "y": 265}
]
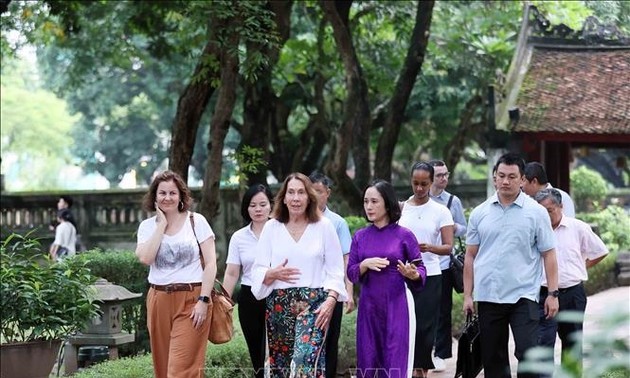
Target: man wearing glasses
[{"x": 438, "y": 193}]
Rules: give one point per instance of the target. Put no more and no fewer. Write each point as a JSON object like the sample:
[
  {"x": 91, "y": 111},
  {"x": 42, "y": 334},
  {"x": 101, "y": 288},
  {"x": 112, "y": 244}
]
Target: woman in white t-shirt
[
  {"x": 432, "y": 223},
  {"x": 255, "y": 209},
  {"x": 65, "y": 241},
  {"x": 299, "y": 270},
  {"x": 180, "y": 286}
]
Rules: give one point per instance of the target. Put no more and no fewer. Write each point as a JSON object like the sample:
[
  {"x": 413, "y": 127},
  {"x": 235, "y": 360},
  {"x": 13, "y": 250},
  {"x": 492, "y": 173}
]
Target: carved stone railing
[{"x": 109, "y": 218}]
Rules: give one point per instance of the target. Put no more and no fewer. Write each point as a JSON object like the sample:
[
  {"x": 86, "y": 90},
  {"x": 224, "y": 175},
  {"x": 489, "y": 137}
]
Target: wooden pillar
[{"x": 557, "y": 161}]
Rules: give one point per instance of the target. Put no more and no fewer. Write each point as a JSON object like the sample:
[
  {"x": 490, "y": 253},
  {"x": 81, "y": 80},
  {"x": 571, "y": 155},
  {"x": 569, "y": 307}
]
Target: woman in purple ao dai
[{"x": 385, "y": 260}]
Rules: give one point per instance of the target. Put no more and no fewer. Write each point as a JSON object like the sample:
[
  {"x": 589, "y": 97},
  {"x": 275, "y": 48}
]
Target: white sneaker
[{"x": 439, "y": 364}]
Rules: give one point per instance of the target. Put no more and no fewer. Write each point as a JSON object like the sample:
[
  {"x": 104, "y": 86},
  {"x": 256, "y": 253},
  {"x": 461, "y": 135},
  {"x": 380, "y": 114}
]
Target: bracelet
[{"x": 332, "y": 296}]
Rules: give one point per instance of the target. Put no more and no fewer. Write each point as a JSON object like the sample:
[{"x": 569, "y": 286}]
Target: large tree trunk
[
  {"x": 466, "y": 130},
  {"x": 402, "y": 92},
  {"x": 260, "y": 101},
  {"x": 219, "y": 127},
  {"x": 354, "y": 131},
  {"x": 190, "y": 108}
]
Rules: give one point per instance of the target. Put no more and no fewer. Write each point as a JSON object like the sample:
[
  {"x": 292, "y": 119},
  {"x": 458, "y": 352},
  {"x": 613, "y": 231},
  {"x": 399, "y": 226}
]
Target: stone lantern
[{"x": 104, "y": 329}]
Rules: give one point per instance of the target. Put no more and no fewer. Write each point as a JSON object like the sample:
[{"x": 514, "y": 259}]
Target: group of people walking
[{"x": 297, "y": 265}]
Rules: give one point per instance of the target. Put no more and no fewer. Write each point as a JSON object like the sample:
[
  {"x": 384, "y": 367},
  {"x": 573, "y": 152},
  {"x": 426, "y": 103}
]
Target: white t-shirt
[
  {"x": 426, "y": 221},
  {"x": 242, "y": 251},
  {"x": 178, "y": 259},
  {"x": 576, "y": 242},
  {"x": 317, "y": 255},
  {"x": 66, "y": 236}
]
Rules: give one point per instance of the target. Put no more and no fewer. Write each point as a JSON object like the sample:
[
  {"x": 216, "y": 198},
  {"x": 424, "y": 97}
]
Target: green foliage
[
  {"x": 588, "y": 189},
  {"x": 41, "y": 299},
  {"x": 123, "y": 268},
  {"x": 570, "y": 13},
  {"x": 249, "y": 160},
  {"x": 611, "y": 224},
  {"x": 355, "y": 223},
  {"x": 35, "y": 136},
  {"x": 615, "y": 12}
]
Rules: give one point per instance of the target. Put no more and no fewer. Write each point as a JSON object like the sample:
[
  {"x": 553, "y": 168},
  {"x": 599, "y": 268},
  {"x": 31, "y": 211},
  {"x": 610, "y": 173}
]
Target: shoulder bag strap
[
  {"x": 192, "y": 223},
  {"x": 450, "y": 202}
]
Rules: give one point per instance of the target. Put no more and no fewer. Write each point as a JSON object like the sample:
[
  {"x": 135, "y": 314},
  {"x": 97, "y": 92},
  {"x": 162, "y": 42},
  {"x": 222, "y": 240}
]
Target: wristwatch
[
  {"x": 204, "y": 299},
  {"x": 554, "y": 293}
]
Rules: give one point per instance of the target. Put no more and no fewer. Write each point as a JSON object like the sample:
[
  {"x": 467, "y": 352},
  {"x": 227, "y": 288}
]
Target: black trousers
[
  {"x": 444, "y": 333},
  {"x": 251, "y": 315},
  {"x": 332, "y": 341},
  {"x": 427, "y": 307},
  {"x": 494, "y": 319},
  {"x": 570, "y": 299}
]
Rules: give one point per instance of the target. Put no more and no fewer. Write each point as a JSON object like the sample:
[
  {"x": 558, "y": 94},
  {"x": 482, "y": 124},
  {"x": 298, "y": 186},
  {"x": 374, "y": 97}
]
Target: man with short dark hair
[
  {"x": 508, "y": 241},
  {"x": 578, "y": 248},
  {"x": 323, "y": 186},
  {"x": 536, "y": 180}
]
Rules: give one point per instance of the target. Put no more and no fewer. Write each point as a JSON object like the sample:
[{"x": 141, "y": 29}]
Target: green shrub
[
  {"x": 123, "y": 268},
  {"x": 41, "y": 299},
  {"x": 355, "y": 223},
  {"x": 611, "y": 224},
  {"x": 347, "y": 356},
  {"x": 588, "y": 189}
]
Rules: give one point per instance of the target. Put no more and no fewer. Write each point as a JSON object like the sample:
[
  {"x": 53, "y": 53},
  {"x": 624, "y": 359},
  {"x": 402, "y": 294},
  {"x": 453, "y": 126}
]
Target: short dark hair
[
  {"x": 317, "y": 176},
  {"x": 511, "y": 158},
  {"x": 535, "y": 170},
  {"x": 551, "y": 193},
  {"x": 388, "y": 193},
  {"x": 437, "y": 163},
  {"x": 148, "y": 202},
  {"x": 65, "y": 214},
  {"x": 280, "y": 210},
  {"x": 68, "y": 200},
  {"x": 423, "y": 166},
  {"x": 247, "y": 198}
]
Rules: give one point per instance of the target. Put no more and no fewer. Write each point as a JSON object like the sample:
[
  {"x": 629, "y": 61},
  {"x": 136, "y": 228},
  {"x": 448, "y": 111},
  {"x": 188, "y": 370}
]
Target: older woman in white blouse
[{"x": 299, "y": 270}]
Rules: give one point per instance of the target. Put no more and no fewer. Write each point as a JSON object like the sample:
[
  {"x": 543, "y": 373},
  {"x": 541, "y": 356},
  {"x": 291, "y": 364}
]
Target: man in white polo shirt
[{"x": 578, "y": 248}]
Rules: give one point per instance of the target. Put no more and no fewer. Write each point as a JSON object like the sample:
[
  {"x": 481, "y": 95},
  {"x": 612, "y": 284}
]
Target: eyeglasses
[{"x": 443, "y": 175}]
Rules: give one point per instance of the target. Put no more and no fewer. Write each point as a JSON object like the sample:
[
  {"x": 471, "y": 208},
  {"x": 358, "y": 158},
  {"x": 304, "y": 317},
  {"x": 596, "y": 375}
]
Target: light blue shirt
[
  {"x": 508, "y": 265},
  {"x": 343, "y": 231},
  {"x": 457, "y": 211}
]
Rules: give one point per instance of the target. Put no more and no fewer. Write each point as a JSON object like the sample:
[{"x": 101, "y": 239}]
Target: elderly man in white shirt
[{"x": 578, "y": 248}]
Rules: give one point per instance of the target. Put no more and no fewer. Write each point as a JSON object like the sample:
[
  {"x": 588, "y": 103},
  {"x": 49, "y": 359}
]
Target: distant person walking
[
  {"x": 444, "y": 332},
  {"x": 508, "y": 241},
  {"x": 65, "y": 241},
  {"x": 578, "y": 248}
]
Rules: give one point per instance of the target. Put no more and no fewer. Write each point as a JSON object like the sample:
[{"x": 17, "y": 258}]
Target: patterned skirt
[{"x": 296, "y": 346}]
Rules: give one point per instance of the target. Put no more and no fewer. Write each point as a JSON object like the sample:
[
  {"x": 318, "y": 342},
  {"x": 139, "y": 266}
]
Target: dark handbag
[
  {"x": 456, "y": 270},
  {"x": 469, "y": 363},
  {"x": 221, "y": 309}
]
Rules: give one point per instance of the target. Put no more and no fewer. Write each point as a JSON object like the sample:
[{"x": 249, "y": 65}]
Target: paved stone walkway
[{"x": 598, "y": 306}]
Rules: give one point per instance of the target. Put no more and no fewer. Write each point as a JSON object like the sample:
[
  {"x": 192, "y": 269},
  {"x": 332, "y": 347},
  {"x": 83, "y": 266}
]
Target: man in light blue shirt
[
  {"x": 438, "y": 193},
  {"x": 508, "y": 241},
  {"x": 322, "y": 185}
]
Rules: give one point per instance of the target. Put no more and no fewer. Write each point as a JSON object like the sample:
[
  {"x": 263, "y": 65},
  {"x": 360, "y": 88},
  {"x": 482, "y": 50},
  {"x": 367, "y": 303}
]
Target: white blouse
[
  {"x": 317, "y": 254},
  {"x": 242, "y": 251}
]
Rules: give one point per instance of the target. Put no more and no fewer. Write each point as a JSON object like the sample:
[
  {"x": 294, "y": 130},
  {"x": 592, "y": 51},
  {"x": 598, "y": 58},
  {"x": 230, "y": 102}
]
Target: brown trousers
[{"x": 177, "y": 348}]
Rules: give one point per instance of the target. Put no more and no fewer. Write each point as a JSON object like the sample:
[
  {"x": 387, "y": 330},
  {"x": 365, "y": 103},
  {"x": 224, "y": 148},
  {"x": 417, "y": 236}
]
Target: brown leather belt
[{"x": 176, "y": 287}]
